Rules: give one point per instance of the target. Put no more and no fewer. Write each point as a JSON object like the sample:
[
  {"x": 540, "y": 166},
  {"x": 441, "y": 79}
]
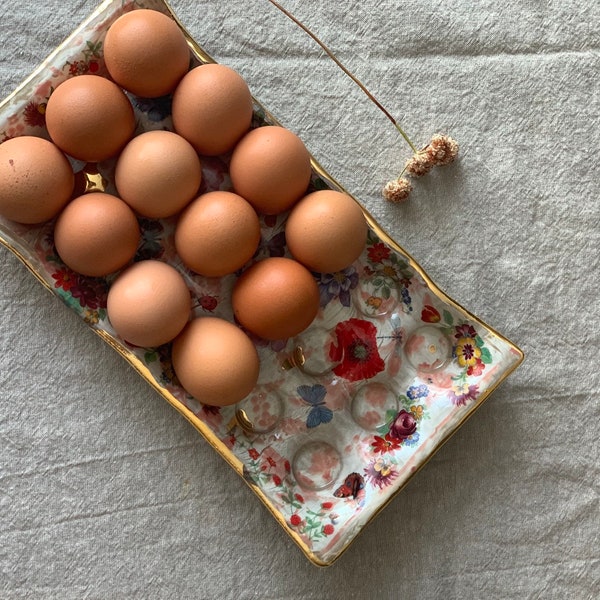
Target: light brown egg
[
  {"x": 215, "y": 361},
  {"x": 158, "y": 173},
  {"x": 96, "y": 234},
  {"x": 270, "y": 167},
  {"x": 89, "y": 118},
  {"x": 146, "y": 53},
  {"x": 149, "y": 303},
  {"x": 212, "y": 108},
  {"x": 276, "y": 298},
  {"x": 36, "y": 180},
  {"x": 217, "y": 234},
  {"x": 326, "y": 231}
]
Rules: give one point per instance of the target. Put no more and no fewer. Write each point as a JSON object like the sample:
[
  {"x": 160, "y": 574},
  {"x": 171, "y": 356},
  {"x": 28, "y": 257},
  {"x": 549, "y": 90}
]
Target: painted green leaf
[
  {"x": 479, "y": 341},
  {"x": 386, "y": 292},
  {"x": 405, "y": 401},
  {"x": 68, "y": 299},
  {"x": 150, "y": 356},
  {"x": 486, "y": 356},
  {"x": 448, "y": 318},
  {"x": 94, "y": 47}
]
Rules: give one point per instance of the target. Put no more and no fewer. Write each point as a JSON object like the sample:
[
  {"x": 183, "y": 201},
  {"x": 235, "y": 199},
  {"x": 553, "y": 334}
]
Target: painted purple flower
[
  {"x": 91, "y": 292},
  {"x": 403, "y": 426},
  {"x": 417, "y": 391},
  {"x": 460, "y": 395},
  {"x": 337, "y": 285},
  {"x": 465, "y": 331},
  {"x": 380, "y": 472},
  {"x": 406, "y": 299}
]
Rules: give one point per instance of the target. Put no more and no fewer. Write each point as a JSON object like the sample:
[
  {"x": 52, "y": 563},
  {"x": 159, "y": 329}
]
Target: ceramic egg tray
[{"x": 343, "y": 415}]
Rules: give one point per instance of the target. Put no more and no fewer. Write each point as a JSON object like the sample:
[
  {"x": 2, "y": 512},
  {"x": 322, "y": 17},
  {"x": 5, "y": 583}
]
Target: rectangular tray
[{"x": 342, "y": 416}]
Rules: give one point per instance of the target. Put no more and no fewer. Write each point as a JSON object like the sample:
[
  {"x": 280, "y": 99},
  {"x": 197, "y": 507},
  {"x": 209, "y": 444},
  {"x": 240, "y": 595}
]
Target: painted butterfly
[
  {"x": 315, "y": 396},
  {"x": 352, "y": 486}
]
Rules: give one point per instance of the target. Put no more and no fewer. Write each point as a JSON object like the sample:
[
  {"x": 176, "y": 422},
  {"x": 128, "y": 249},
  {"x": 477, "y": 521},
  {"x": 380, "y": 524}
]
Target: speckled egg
[{"x": 36, "y": 180}]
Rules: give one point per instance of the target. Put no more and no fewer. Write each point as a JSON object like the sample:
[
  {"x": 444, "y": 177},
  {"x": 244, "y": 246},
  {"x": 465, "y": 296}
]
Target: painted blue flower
[
  {"x": 417, "y": 391},
  {"x": 412, "y": 440},
  {"x": 406, "y": 299},
  {"x": 337, "y": 285}
]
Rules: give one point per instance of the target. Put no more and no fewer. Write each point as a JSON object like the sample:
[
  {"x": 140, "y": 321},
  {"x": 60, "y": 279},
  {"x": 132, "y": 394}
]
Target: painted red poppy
[{"x": 356, "y": 350}]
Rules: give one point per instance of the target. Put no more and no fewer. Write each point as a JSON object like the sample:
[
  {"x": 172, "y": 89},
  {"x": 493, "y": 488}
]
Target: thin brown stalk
[{"x": 346, "y": 71}]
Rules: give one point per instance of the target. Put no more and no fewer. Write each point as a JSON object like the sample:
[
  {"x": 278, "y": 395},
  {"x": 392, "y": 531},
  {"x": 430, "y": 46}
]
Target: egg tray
[{"x": 344, "y": 414}]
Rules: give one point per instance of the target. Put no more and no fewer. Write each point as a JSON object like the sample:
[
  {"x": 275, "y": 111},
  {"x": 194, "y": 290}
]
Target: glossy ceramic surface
[{"x": 344, "y": 414}]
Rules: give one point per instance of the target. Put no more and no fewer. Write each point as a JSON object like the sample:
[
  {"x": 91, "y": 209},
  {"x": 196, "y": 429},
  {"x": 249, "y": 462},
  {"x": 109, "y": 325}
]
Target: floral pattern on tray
[{"x": 342, "y": 415}]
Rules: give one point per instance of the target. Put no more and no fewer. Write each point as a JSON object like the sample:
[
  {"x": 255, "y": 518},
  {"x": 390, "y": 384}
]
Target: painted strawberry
[{"x": 430, "y": 315}]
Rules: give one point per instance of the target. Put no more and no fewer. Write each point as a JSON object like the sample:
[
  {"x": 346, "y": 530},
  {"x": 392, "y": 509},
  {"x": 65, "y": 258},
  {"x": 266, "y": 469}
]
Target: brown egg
[
  {"x": 276, "y": 298},
  {"x": 89, "y": 118},
  {"x": 215, "y": 361},
  {"x": 36, "y": 180},
  {"x": 96, "y": 234},
  {"x": 217, "y": 234},
  {"x": 270, "y": 167},
  {"x": 326, "y": 231},
  {"x": 146, "y": 53},
  {"x": 149, "y": 303},
  {"x": 158, "y": 173},
  {"x": 212, "y": 108}
]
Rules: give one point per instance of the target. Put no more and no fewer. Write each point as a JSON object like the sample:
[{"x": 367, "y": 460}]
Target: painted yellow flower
[
  {"x": 389, "y": 271},
  {"x": 374, "y": 301},
  {"x": 91, "y": 316},
  {"x": 382, "y": 467},
  {"x": 417, "y": 411},
  {"x": 467, "y": 352}
]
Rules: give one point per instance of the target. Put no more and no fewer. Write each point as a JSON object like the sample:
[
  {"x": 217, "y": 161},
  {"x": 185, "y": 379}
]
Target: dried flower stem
[{"x": 347, "y": 72}]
